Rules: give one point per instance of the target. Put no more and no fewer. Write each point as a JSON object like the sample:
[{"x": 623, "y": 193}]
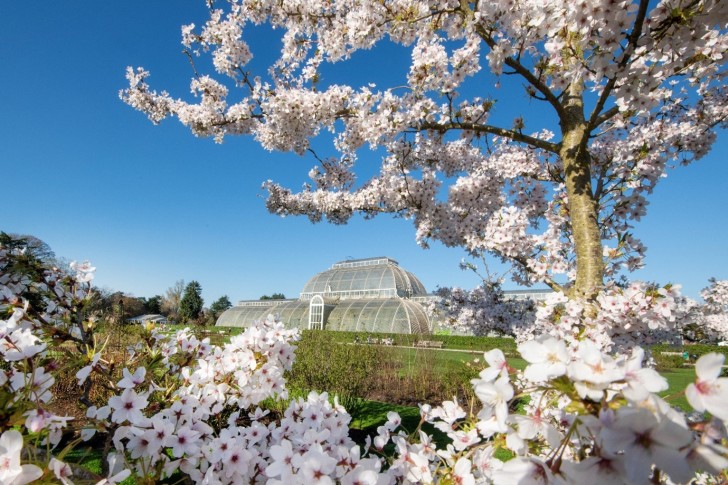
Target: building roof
[
  {"x": 379, "y": 277},
  {"x": 152, "y": 317}
]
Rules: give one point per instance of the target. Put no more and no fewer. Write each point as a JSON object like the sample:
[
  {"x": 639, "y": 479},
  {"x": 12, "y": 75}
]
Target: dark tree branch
[{"x": 494, "y": 130}]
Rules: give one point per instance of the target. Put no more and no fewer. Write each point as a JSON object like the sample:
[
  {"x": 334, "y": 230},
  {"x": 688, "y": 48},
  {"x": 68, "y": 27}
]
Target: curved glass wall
[
  {"x": 387, "y": 315},
  {"x": 378, "y": 315},
  {"x": 369, "y": 278},
  {"x": 293, "y": 314},
  {"x": 242, "y": 316}
]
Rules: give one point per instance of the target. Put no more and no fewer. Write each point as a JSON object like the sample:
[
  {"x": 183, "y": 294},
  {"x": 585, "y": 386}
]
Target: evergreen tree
[
  {"x": 190, "y": 306},
  {"x": 154, "y": 304},
  {"x": 220, "y": 305}
]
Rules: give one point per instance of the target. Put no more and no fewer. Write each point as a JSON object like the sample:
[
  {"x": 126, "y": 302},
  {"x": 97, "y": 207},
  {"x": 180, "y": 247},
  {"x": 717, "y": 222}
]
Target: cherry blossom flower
[
  {"x": 128, "y": 406},
  {"x": 709, "y": 392},
  {"x": 414, "y": 466},
  {"x": 547, "y": 357},
  {"x": 523, "y": 471},
  {"x": 315, "y": 466},
  {"x": 131, "y": 381},
  {"x": 281, "y": 466},
  {"x": 494, "y": 395},
  {"x": 461, "y": 473},
  {"x": 11, "y": 471},
  {"x": 644, "y": 440},
  {"x": 117, "y": 472},
  {"x": 38, "y": 384},
  {"x": 393, "y": 420},
  {"x": 497, "y": 365},
  {"x": 531, "y": 426},
  {"x": 462, "y": 440},
  {"x": 485, "y": 461},
  {"x": 449, "y": 412},
  {"x": 84, "y": 372},
  {"x": 597, "y": 470},
  {"x": 641, "y": 381},
  {"x": 20, "y": 344},
  {"x": 61, "y": 471},
  {"x": 593, "y": 371},
  {"x": 362, "y": 476},
  {"x": 84, "y": 271}
]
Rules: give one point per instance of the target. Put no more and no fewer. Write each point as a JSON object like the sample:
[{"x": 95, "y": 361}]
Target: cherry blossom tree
[
  {"x": 632, "y": 87},
  {"x": 712, "y": 316}
]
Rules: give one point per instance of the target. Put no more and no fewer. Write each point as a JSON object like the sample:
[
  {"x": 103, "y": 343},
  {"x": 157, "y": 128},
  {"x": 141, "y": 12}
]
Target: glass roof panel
[{"x": 371, "y": 275}]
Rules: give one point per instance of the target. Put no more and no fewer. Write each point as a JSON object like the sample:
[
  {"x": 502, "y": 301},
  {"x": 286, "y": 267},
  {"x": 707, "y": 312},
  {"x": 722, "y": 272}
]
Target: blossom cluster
[
  {"x": 652, "y": 74},
  {"x": 712, "y": 317},
  {"x": 27, "y": 374},
  {"x": 619, "y": 318},
  {"x": 591, "y": 418},
  {"x": 481, "y": 311}
]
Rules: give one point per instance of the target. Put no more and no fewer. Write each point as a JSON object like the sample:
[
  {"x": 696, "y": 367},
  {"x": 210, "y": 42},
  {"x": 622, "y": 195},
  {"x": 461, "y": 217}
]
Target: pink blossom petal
[{"x": 708, "y": 367}]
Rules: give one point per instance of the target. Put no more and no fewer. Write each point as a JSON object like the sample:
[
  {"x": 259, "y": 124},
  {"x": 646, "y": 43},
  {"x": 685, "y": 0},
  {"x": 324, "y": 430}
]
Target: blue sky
[{"x": 151, "y": 205}]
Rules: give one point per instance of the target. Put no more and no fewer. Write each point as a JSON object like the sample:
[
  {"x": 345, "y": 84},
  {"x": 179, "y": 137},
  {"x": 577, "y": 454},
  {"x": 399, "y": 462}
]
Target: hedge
[{"x": 692, "y": 349}]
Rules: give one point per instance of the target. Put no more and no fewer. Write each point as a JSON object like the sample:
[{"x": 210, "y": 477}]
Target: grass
[
  {"x": 443, "y": 360},
  {"x": 90, "y": 459},
  {"x": 374, "y": 413},
  {"x": 678, "y": 380}
]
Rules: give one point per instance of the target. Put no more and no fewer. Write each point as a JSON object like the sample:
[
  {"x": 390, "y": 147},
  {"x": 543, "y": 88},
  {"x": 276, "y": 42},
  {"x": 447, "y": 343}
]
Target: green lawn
[
  {"x": 678, "y": 379},
  {"x": 444, "y": 360}
]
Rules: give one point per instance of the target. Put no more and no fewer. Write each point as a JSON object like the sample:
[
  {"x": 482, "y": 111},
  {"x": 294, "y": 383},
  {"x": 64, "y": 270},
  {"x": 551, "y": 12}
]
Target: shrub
[
  {"x": 325, "y": 364},
  {"x": 664, "y": 362},
  {"x": 692, "y": 349}
]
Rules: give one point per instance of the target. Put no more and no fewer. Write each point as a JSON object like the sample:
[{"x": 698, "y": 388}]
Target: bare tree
[{"x": 172, "y": 297}]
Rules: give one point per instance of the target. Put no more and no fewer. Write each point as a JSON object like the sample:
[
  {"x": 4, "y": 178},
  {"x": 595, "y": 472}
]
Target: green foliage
[
  {"x": 324, "y": 364},
  {"x": 24, "y": 262},
  {"x": 274, "y": 296},
  {"x": 31, "y": 246},
  {"x": 154, "y": 304},
  {"x": 457, "y": 342},
  {"x": 691, "y": 349},
  {"x": 124, "y": 306},
  {"x": 664, "y": 362},
  {"x": 220, "y": 305},
  {"x": 190, "y": 306}
]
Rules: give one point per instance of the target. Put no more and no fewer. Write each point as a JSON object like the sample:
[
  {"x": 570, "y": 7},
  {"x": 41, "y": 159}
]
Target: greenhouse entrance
[{"x": 316, "y": 313}]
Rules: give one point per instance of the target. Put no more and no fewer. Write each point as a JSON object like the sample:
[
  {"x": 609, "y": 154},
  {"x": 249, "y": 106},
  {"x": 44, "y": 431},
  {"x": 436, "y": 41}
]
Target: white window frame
[{"x": 316, "y": 313}]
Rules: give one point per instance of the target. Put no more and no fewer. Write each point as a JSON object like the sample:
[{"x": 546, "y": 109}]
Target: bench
[
  {"x": 376, "y": 341},
  {"x": 435, "y": 344}
]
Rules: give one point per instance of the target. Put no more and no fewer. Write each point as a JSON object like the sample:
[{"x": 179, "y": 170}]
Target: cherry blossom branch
[
  {"x": 494, "y": 130},
  {"x": 536, "y": 82}
]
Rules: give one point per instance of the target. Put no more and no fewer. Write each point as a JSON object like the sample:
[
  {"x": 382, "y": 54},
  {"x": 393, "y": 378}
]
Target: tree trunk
[{"x": 583, "y": 209}]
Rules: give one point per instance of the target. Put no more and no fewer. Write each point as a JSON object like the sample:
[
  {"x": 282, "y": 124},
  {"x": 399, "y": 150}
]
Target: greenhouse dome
[
  {"x": 364, "y": 295},
  {"x": 364, "y": 278}
]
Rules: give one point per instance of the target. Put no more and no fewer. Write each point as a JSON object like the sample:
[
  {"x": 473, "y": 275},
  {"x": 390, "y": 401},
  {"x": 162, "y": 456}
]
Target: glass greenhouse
[{"x": 365, "y": 295}]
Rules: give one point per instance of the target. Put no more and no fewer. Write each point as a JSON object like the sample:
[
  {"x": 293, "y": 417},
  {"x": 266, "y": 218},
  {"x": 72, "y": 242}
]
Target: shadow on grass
[{"x": 372, "y": 414}]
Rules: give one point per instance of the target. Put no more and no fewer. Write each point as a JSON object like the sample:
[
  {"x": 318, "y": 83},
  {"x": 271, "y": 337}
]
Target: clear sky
[{"x": 151, "y": 205}]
